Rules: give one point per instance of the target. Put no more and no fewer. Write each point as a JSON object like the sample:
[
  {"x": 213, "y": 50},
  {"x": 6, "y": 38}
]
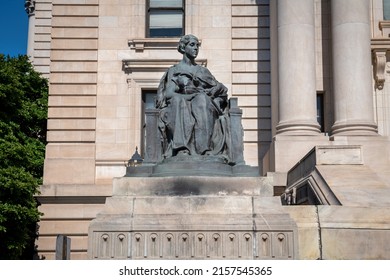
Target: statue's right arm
[
  {"x": 166, "y": 89},
  {"x": 161, "y": 98}
]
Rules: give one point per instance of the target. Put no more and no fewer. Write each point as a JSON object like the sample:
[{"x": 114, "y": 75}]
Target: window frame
[{"x": 148, "y": 13}]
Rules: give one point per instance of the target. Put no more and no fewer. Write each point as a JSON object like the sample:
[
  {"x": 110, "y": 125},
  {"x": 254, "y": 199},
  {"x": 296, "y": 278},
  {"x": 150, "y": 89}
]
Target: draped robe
[{"x": 193, "y": 119}]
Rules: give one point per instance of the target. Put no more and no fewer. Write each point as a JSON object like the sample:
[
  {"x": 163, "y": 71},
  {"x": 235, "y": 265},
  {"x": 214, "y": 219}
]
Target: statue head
[{"x": 184, "y": 40}]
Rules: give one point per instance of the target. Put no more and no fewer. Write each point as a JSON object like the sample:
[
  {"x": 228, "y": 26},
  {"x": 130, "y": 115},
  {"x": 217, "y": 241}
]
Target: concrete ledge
[
  {"x": 192, "y": 185},
  {"x": 74, "y": 193}
]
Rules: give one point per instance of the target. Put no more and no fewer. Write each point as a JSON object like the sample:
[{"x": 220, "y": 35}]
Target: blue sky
[{"x": 13, "y": 27}]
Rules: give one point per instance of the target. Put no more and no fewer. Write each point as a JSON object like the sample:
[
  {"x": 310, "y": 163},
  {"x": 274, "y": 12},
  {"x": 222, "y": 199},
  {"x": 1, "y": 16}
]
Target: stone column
[
  {"x": 29, "y": 6},
  {"x": 296, "y": 68},
  {"x": 352, "y": 70}
]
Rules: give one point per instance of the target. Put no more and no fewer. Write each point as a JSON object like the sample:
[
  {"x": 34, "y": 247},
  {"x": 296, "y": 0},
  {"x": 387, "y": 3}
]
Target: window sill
[
  {"x": 385, "y": 27},
  {"x": 139, "y": 45},
  {"x": 152, "y": 65}
]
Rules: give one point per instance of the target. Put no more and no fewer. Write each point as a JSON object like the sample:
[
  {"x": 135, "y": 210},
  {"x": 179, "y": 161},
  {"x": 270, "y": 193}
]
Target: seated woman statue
[{"x": 192, "y": 103}]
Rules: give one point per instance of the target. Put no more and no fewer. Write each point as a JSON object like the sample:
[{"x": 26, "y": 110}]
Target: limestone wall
[
  {"x": 70, "y": 154},
  {"x": 72, "y": 101},
  {"x": 251, "y": 81},
  {"x": 41, "y": 37}
]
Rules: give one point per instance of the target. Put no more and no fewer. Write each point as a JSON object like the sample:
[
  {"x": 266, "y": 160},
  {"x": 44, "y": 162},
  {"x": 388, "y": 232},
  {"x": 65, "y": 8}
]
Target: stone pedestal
[
  {"x": 289, "y": 149},
  {"x": 349, "y": 213},
  {"x": 192, "y": 218}
]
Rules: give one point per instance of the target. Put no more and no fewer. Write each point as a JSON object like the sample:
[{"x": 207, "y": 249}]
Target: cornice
[
  {"x": 152, "y": 65},
  {"x": 141, "y": 44}
]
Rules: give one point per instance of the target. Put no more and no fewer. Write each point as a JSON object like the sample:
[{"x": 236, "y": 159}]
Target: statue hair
[{"x": 184, "y": 40}]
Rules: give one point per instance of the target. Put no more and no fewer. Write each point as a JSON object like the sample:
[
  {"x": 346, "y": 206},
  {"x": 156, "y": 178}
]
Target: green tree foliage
[{"x": 23, "y": 114}]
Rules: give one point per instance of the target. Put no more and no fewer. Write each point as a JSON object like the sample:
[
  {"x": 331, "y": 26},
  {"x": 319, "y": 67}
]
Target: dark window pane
[
  {"x": 166, "y": 32},
  {"x": 386, "y": 9},
  {"x": 165, "y": 18},
  {"x": 320, "y": 111},
  {"x": 166, "y": 3},
  {"x": 149, "y": 98},
  {"x": 165, "y": 23}
]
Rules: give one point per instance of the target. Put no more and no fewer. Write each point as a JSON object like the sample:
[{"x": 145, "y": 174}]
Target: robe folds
[{"x": 193, "y": 116}]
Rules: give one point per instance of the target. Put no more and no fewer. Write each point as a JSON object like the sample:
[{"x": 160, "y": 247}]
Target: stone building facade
[{"x": 307, "y": 73}]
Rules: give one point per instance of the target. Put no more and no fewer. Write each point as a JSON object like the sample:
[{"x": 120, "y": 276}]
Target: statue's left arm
[{"x": 211, "y": 85}]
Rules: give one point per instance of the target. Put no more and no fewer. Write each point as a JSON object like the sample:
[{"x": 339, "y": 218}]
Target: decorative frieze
[{"x": 193, "y": 245}]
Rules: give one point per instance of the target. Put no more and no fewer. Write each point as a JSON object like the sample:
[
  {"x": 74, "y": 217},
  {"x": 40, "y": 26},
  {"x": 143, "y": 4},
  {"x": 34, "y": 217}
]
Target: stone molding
[
  {"x": 379, "y": 49},
  {"x": 76, "y": 193},
  {"x": 303, "y": 127},
  {"x": 152, "y": 65},
  {"x": 355, "y": 128},
  {"x": 384, "y": 26},
  {"x": 141, "y": 44}
]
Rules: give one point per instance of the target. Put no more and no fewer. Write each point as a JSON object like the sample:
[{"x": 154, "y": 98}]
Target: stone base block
[
  {"x": 342, "y": 232},
  {"x": 229, "y": 218},
  {"x": 287, "y": 150},
  {"x": 185, "y": 168}
]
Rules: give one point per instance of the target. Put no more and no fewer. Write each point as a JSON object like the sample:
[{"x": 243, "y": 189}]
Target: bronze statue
[{"x": 193, "y": 116}]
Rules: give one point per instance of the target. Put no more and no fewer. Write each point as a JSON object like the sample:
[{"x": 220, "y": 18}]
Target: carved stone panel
[{"x": 194, "y": 245}]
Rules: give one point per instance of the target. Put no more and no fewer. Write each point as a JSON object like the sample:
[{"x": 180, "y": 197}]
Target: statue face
[{"x": 192, "y": 48}]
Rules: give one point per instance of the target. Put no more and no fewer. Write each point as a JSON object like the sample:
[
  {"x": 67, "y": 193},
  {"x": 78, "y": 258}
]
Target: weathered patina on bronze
[{"x": 193, "y": 118}]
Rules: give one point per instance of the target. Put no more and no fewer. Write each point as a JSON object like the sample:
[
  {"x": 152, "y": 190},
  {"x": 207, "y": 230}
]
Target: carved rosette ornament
[{"x": 29, "y": 6}]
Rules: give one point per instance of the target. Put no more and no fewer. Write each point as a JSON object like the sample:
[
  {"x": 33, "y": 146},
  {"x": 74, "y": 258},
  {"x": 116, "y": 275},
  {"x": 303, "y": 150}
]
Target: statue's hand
[
  {"x": 205, "y": 91},
  {"x": 160, "y": 101},
  {"x": 215, "y": 91}
]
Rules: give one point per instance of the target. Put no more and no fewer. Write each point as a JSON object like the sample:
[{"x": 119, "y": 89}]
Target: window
[
  {"x": 320, "y": 111},
  {"x": 386, "y": 9},
  {"x": 165, "y": 18}
]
